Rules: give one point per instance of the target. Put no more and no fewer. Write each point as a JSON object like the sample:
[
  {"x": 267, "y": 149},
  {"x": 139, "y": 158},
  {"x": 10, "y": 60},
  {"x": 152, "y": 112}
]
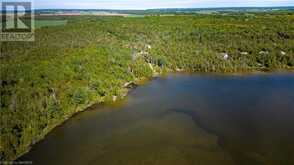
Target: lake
[{"x": 182, "y": 119}]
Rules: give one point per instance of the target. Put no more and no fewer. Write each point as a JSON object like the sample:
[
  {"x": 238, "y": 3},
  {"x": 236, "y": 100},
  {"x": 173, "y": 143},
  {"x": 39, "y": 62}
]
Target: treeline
[{"x": 90, "y": 59}]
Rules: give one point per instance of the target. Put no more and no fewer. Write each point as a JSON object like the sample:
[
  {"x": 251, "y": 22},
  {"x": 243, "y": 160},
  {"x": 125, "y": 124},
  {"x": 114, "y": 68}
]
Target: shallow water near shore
[{"x": 182, "y": 119}]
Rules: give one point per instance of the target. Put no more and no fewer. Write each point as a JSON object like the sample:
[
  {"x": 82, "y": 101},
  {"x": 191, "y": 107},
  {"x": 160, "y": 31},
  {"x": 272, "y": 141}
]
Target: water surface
[{"x": 182, "y": 119}]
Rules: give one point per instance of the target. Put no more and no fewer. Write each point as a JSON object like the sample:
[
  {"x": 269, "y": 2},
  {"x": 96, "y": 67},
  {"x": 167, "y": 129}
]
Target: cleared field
[{"x": 47, "y": 23}]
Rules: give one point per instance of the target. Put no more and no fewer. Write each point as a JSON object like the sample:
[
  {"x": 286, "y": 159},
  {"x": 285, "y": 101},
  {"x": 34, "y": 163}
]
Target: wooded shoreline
[{"x": 90, "y": 59}]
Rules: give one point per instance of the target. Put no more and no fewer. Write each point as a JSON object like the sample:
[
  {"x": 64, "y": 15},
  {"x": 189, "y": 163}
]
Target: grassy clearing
[{"x": 48, "y": 23}]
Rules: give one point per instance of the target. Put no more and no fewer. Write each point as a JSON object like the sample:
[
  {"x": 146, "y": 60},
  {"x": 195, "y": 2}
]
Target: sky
[{"x": 151, "y": 4}]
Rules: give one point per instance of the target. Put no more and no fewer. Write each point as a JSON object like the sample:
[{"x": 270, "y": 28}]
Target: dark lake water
[{"x": 182, "y": 119}]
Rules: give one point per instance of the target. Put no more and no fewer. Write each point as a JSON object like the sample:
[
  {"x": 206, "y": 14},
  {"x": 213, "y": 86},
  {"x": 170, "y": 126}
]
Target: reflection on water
[{"x": 182, "y": 120}]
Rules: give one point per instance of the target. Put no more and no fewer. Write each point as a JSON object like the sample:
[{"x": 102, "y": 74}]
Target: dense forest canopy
[{"x": 89, "y": 59}]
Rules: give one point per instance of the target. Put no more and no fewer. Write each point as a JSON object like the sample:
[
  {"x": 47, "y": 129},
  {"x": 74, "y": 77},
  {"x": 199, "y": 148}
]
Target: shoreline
[
  {"x": 81, "y": 109},
  {"x": 87, "y": 61},
  {"x": 139, "y": 82}
]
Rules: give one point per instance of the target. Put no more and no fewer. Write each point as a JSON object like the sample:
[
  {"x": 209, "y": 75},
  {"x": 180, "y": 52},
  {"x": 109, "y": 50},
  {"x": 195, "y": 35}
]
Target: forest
[{"x": 84, "y": 60}]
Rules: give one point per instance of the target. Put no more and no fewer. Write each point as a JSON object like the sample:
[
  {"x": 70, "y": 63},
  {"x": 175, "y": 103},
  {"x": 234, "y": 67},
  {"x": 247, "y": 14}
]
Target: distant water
[{"x": 182, "y": 119}]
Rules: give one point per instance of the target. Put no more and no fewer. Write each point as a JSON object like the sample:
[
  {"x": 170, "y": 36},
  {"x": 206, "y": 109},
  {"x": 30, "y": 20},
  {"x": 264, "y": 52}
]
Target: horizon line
[{"x": 228, "y": 7}]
